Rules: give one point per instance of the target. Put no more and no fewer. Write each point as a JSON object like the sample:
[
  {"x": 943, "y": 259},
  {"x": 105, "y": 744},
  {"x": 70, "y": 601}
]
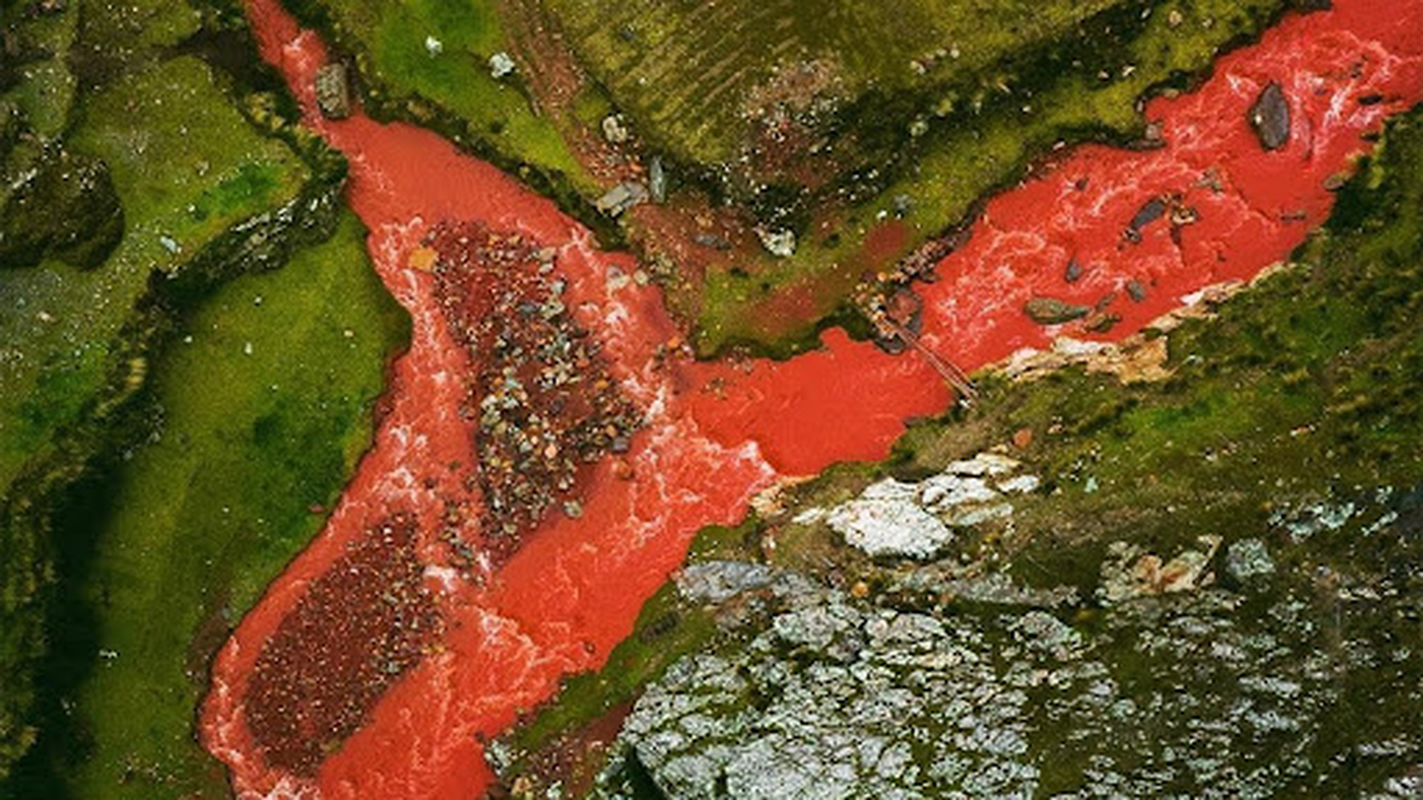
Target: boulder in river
[
  {"x": 779, "y": 242},
  {"x": 333, "y": 91},
  {"x": 1270, "y": 117},
  {"x": 1051, "y": 311}
]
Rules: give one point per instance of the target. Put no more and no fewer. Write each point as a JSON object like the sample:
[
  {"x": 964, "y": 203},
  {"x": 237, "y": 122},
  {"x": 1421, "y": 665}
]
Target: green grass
[
  {"x": 688, "y": 72},
  {"x": 202, "y": 517},
  {"x": 187, "y": 167},
  {"x": 982, "y": 141},
  {"x": 389, "y": 40}
]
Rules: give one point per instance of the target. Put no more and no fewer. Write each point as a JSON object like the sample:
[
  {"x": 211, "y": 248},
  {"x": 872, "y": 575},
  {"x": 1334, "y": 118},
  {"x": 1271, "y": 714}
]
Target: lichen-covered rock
[
  {"x": 1200, "y": 694},
  {"x": 888, "y": 521},
  {"x": 917, "y": 520},
  {"x": 66, "y": 209},
  {"x": 333, "y": 91},
  {"x": 717, "y": 581}
]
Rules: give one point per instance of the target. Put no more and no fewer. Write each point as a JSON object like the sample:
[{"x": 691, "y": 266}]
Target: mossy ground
[
  {"x": 425, "y": 55},
  {"x": 261, "y": 408},
  {"x": 213, "y": 182},
  {"x": 1299, "y": 395},
  {"x": 187, "y": 167},
  {"x": 832, "y": 119}
]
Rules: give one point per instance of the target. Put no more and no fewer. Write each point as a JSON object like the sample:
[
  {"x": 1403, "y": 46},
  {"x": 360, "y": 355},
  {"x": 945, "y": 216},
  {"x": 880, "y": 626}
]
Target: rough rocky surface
[
  {"x": 916, "y": 520},
  {"x": 328, "y": 663},
  {"x": 333, "y": 91},
  {"x": 1202, "y": 693},
  {"x": 541, "y": 391}
]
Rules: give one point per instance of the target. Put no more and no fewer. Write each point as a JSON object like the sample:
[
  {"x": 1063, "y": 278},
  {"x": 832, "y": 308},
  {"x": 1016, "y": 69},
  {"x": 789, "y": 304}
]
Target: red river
[{"x": 714, "y": 434}]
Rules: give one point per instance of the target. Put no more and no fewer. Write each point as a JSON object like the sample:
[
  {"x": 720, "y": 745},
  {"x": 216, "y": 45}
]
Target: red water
[{"x": 717, "y": 433}]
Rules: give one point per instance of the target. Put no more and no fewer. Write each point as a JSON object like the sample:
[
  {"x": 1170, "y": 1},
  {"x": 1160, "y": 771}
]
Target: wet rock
[
  {"x": 1150, "y": 211},
  {"x": 622, "y": 197},
  {"x": 358, "y": 627},
  {"x": 1270, "y": 117},
  {"x": 1101, "y": 322},
  {"x": 333, "y": 91},
  {"x": 546, "y": 407},
  {"x": 904, "y": 312},
  {"x": 779, "y": 242},
  {"x": 1051, "y": 311}
]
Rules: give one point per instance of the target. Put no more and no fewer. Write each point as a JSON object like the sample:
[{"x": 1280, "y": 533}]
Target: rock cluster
[
  {"x": 541, "y": 394},
  {"x": 916, "y": 520},
  {"x": 359, "y": 627},
  {"x": 333, "y": 91}
]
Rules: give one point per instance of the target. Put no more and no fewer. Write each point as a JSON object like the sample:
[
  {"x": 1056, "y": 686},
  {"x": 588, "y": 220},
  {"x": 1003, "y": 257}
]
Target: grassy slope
[
  {"x": 685, "y": 71},
  {"x": 389, "y": 41},
  {"x": 1302, "y": 390},
  {"x": 73, "y": 341},
  {"x": 979, "y": 138},
  {"x": 194, "y": 525},
  {"x": 680, "y": 72},
  {"x": 212, "y": 185},
  {"x": 187, "y": 167}
]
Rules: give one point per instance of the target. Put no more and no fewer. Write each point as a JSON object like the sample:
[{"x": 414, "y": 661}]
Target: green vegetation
[
  {"x": 696, "y": 75},
  {"x": 424, "y": 55},
  {"x": 140, "y": 171},
  {"x": 261, "y": 409},
  {"x": 831, "y": 119},
  {"x": 977, "y": 131},
  {"x": 1300, "y": 394},
  {"x": 178, "y": 153}
]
